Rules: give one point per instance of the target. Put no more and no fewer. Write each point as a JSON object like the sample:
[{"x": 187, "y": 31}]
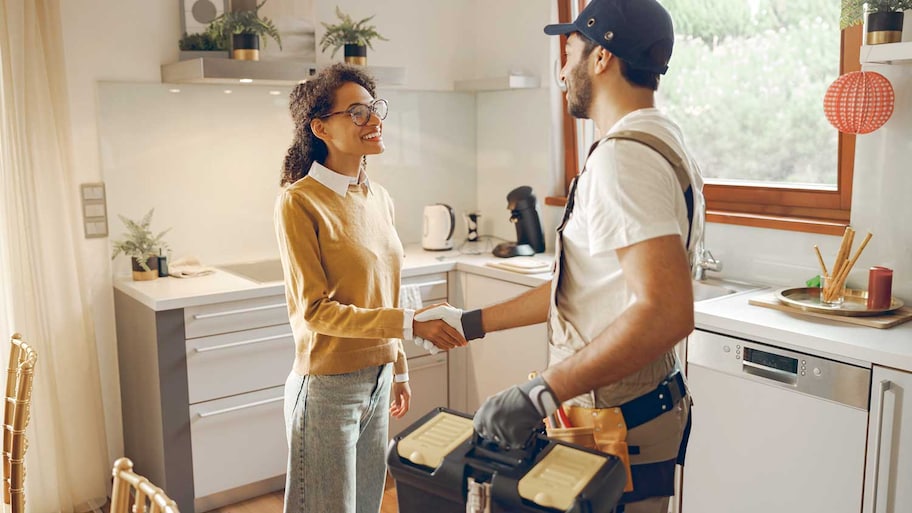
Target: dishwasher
[{"x": 773, "y": 429}]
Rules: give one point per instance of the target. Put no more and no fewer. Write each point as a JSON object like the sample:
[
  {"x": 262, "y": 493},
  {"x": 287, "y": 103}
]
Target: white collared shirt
[{"x": 336, "y": 182}]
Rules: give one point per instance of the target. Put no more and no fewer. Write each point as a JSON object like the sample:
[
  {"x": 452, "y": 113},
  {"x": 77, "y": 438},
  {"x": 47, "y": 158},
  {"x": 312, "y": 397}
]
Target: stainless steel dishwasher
[{"x": 773, "y": 429}]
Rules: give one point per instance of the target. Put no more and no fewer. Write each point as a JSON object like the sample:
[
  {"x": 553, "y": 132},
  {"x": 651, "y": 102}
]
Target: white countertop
[
  {"x": 729, "y": 315},
  {"x": 172, "y": 293},
  {"x": 860, "y": 345}
]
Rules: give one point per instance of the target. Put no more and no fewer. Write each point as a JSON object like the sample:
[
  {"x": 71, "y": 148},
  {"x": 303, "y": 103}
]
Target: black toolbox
[{"x": 441, "y": 466}]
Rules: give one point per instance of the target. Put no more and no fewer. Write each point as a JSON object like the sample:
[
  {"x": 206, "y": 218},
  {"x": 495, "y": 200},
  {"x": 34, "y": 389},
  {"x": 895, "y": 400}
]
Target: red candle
[{"x": 880, "y": 287}]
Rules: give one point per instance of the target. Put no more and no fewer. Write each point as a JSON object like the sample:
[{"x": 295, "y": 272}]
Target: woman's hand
[
  {"x": 437, "y": 331},
  {"x": 400, "y": 398}
]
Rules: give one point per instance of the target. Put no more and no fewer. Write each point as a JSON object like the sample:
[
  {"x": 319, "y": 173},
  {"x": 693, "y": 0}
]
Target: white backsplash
[{"x": 209, "y": 162}]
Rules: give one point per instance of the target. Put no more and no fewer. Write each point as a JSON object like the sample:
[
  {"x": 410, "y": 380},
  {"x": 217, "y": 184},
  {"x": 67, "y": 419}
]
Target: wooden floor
[{"x": 272, "y": 503}]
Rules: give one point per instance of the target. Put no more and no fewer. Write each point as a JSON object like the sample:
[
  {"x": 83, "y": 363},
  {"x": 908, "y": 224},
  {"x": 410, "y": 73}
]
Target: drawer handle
[
  {"x": 440, "y": 361},
  {"x": 236, "y": 312},
  {"x": 428, "y": 284},
  {"x": 241, "y": 343},
  {"x": 878, "y": 436},
  {"x": 240, "y": 407}
]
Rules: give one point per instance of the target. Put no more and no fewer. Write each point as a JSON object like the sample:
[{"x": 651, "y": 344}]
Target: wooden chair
[
  {"x": 146, "y": 497},
  {"x": 16, "y": 410}
]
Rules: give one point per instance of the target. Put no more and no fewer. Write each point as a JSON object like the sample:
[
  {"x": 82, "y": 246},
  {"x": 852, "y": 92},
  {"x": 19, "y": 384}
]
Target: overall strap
[{"x": 673, "y": 158}]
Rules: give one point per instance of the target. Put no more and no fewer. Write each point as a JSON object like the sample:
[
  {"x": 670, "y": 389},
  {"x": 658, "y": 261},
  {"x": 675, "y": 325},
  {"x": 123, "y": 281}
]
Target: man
[{"x": 621, "y": 297}]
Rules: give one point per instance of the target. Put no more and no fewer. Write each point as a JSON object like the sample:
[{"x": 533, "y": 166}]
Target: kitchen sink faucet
[{"x": 705, "y": 262}]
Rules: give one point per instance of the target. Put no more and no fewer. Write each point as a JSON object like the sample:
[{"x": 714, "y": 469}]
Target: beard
[{"x": 579, "y": 88}]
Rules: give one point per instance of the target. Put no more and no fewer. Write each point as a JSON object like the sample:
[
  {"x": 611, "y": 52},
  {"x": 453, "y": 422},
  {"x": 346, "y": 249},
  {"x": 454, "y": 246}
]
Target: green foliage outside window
[{"x": 746, "y": 83}]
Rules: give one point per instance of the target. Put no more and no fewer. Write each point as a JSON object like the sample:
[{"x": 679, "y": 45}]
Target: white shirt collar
[{"x": 334, "y": 181}]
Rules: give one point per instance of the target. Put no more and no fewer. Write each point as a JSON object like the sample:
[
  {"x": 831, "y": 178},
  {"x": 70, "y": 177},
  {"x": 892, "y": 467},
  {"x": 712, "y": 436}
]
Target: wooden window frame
[{"x": 771, "y": 206}]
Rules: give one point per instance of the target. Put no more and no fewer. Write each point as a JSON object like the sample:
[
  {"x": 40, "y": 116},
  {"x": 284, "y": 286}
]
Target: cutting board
[
  {"x": 881, "y": 321},
  {"x": 523, "y": 265}
]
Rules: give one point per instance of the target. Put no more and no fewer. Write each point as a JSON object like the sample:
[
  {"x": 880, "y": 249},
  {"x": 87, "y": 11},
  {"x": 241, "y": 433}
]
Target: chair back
[
  {"x": 16, "y": 411},
  {"x": 133, "y": 493}
]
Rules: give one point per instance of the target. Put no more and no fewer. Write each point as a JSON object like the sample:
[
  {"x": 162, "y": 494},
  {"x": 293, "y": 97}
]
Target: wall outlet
[{"x": 94, "y": 211}]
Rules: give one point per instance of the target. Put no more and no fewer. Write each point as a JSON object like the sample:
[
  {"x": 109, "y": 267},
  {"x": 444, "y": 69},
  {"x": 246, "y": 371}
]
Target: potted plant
[
  {"x": 204, "y": 44},
  {"x": 142, "y": 246},
  {"x": 884, "y": 18},
  {"x": 241, "y": 31},
  {"x": 354, "y": 36}
]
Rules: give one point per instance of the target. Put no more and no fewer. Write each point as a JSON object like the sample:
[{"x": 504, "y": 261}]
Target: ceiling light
[
  {"x": 246, "y": 80},
  {"x": 227, "y": 91},
  {"x": 174, "y": 90},
  {"x": 275, "y": 93}
]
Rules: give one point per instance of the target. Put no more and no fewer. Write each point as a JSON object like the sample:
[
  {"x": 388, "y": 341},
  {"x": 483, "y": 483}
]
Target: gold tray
[{"x": 855, "y": 304}]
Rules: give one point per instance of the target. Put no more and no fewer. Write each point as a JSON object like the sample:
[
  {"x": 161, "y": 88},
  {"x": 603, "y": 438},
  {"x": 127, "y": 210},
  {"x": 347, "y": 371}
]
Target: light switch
[{"x": 94, "y": 212}]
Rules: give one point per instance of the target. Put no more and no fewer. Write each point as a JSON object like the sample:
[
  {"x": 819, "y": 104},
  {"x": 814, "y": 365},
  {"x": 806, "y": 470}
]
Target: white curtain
[{"x": 43, "y": 294}]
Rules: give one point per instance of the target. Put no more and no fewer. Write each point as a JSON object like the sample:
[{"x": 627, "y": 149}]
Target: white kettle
[{"x": 439, "y": 223}]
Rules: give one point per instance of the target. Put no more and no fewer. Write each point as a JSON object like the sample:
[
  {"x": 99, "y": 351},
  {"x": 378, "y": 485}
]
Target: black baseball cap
[{"x": 626, "y": 28}]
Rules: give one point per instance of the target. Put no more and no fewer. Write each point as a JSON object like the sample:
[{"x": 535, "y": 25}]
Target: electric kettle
[{"x": 439, "y": 223}]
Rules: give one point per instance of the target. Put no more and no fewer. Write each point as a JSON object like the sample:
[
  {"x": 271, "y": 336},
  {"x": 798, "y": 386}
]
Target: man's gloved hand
[{"x": 509, "y": 417}]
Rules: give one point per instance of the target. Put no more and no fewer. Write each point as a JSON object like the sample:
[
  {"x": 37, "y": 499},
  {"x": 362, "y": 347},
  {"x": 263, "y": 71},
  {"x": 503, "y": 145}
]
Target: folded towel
[
  {"x": 410, "y": 297},
  {"x": 188, "y": 267}
]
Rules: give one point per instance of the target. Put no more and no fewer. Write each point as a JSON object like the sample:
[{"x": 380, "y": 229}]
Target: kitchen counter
[
  {"x": 172, "y": 293},
  {"x": 729, "y": 315}
]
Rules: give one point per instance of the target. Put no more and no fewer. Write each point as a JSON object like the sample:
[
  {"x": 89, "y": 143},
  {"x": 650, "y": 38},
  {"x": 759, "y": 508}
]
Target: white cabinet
[
  {"x": 201, "y": 394},
  {"x": 428, "y": 381},
  {"x": 428, "y": 374},
  {"x": 500, "y": 359},
  {"x": 888, "y": 470}
]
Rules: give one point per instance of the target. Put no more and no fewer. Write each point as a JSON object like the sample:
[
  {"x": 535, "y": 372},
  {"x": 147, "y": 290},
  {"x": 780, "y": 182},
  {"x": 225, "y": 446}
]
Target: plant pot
[
  {"x": 140, "y": 274},
  {"x": 356, "y": 54},
  {"x": 245, "y": 47},
  {"x": 884, "y": 27}
]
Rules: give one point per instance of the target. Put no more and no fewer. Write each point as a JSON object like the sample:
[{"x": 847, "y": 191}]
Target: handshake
[{"x": 444, "y": 327}]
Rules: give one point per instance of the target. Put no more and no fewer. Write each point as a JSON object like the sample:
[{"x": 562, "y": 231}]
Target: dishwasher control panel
[{"x": 813, "y": 375}]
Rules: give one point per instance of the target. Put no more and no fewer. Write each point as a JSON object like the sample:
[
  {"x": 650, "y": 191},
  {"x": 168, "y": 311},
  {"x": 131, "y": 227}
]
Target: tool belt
[{"x": 605, "y": 429}]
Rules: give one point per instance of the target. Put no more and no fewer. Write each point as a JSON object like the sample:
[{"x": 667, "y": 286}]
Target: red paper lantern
[{"x": 859, "y": 102}]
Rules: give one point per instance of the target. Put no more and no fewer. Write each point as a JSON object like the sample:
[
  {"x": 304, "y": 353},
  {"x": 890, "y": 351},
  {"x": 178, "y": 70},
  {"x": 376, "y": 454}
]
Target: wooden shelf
[
  {"x": 889, "y": 53},
  {"x": 207, "y": 70}
]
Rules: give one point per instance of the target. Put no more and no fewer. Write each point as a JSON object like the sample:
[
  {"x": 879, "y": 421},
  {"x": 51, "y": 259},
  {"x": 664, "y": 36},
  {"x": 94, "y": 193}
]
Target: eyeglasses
[{"x": 361, "y": 113}]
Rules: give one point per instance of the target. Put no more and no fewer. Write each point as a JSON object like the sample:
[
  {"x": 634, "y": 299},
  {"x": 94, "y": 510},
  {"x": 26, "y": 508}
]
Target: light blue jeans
[{"x": 337, "y": 433}]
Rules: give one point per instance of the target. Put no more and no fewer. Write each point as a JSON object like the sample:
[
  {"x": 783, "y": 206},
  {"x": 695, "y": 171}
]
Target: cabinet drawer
[
  {"x": 428, "y": 381},
  {"x": 238, "y": 362},
  {"x": 216, "y": 318},
  {"x": 433, "y": 286},
  {"x": 237, "y": 441}
]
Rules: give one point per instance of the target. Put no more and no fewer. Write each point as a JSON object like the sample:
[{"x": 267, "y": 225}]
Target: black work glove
[
  {"x": 471, "y": 324},
  {"x": 509, "y": 417}
]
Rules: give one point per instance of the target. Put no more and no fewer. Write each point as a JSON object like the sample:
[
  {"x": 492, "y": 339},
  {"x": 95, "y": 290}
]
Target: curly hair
[{"x": 308, "y": 101}]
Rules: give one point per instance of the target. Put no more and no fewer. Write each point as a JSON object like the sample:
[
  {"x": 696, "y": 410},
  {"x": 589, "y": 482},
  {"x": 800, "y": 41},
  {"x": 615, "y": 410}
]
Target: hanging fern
[{"x": 348, "y": 32}]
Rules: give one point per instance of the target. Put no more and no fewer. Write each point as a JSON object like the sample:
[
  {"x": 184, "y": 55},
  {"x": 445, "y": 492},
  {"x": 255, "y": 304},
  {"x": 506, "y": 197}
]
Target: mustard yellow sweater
[{"x": 342, "y": 260}]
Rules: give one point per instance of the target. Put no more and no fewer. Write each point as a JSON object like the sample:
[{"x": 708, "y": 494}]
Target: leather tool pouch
[{"x": 602, "y": 429}]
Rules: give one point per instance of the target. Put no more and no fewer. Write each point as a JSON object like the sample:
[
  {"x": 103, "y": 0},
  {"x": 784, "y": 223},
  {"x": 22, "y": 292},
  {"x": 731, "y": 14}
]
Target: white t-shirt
[{"x": 628, "y": 194}]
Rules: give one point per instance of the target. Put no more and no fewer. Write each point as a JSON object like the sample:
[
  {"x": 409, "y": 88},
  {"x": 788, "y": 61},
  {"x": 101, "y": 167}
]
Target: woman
[{"x": 342, "y": 259}]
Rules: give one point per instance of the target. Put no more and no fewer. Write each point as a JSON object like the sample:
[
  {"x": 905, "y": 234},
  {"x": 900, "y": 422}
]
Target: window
[{"x": 746, "y": 84}]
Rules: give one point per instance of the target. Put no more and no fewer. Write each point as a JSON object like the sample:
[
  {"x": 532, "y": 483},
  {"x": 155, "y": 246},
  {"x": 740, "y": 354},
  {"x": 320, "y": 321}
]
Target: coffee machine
[{"x": 523, "y": 215}]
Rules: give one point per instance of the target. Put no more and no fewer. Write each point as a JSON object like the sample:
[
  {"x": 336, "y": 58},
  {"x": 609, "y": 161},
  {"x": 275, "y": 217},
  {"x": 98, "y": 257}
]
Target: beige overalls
[{"x": 655, "y": 445}]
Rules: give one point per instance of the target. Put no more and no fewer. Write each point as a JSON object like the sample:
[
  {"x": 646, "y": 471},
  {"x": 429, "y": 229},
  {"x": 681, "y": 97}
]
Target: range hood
[{"x": 233, "y": 71}]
